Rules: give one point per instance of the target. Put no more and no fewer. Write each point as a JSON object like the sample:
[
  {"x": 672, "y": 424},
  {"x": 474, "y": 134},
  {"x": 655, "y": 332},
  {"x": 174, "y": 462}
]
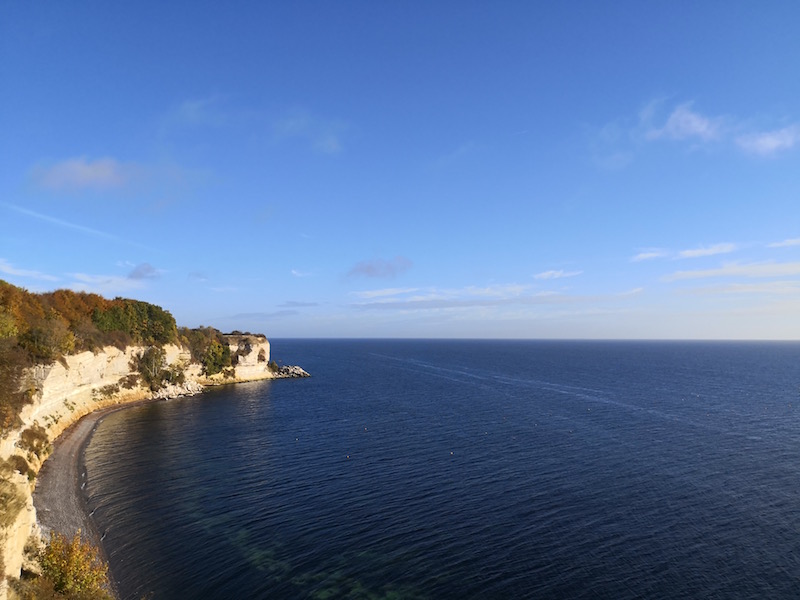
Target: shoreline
[{"x": 58, "y": 496}]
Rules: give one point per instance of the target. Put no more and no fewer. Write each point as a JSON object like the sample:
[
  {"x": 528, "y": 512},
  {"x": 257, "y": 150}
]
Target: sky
[{"x": 416, "y": 169}]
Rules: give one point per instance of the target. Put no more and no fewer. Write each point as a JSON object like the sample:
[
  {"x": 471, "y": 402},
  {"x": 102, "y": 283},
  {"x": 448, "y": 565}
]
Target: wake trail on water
[{"x": 517, "y": 384}]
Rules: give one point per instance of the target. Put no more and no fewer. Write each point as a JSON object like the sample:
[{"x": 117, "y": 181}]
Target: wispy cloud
[
  {"x": 383, "y": 293},
  {"x": 434, "y": 301},
  {"x": 633, "y": 292},
  {"x": 763, "y": 269},
  {"x": 557, "y": 274},
  {"x": 455, "y": 155},
  {"x": 768, "y": 143},
  {"x": 297, "y": 304},
  {"x": 324, "y": 135},
  {"x": 380, "y": 268},
  {"x": 144, "y": 271},
  {"x": 497, "y": 291},
  {"x": 767, "y": 287},
  {"x": 785, "y": 243},
  {"x": 466, "y": 297},
  {"x": 707, "y": 251},
  {"x": 260, "y": 316},
  {"x": 198, "y": 276},
  {"x": 610, "y": 145},
  {"x": 105, "y": 285},
  {"x": 650, "y": 254},
  {"x": 9, "y": 269},
  {"x": 300, "y": 274},
  {"x": 60, "y": 222},
  {"x": 200, "y": 111},
  {"x": 684, "y": 123},
  {"x": 80, "y": 173}
]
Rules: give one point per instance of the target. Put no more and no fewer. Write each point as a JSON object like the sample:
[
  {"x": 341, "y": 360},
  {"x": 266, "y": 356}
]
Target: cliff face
[
  {"x": 83, "y": 383},
  {"x": 250, "y": 358}
]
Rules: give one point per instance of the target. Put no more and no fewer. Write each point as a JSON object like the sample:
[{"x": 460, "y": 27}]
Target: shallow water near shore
[{"x": 464, "y": 469}]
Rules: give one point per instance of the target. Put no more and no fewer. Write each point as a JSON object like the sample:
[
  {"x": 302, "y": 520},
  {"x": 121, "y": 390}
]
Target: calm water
[{"x": 411, "y": 469}]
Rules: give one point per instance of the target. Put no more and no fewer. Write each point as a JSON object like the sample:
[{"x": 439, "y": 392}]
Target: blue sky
[{"x": 410, "y": 169}]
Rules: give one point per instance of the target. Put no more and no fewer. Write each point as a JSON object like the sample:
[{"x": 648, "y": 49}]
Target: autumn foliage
[
  {"x": 73, "y": 566},
  {"x": 42, "y": 328},
  {"x": 71, "y": 569}
]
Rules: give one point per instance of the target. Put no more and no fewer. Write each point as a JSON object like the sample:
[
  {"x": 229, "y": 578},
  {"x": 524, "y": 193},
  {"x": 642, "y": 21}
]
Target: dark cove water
[{"x": 465, "y": 469}]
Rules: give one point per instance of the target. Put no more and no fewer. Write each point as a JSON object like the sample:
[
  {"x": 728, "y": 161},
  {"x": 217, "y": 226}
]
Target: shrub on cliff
[
  {"x": 208, "y": 347},
  {"x": 71, "y": 569},
  {"x": 151, "y": 365},
  {"x": 217, "y": 358},
  {"x": 11, "y": 498},
  {"x": 34, "y": 441},
  {"x": 13, "y": 361},
  {"x": 74, "y": 566}
]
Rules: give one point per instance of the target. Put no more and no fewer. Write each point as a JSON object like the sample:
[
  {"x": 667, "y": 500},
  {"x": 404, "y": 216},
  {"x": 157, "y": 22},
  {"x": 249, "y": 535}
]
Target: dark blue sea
[{"x": 464, "y": 469}]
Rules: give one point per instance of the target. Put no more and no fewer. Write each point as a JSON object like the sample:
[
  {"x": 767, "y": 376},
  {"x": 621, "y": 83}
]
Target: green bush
[{"x": 34, "y": 441}]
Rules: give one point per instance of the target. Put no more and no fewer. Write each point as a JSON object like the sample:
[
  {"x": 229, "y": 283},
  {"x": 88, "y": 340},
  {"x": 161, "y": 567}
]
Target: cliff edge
[{"x": 66, "y": 390}]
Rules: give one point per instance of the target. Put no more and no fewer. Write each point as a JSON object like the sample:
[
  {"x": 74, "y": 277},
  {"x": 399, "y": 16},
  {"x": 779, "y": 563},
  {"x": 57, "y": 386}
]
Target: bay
[{"x": 464, "y": 469}]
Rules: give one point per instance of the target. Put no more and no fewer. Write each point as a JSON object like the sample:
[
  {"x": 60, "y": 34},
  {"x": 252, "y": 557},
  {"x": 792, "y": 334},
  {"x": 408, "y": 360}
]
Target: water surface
[{"x": 465, "y": 469}]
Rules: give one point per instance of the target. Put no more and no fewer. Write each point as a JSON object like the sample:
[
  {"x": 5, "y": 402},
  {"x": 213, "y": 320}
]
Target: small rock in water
[{"x": 288, "y": 371}]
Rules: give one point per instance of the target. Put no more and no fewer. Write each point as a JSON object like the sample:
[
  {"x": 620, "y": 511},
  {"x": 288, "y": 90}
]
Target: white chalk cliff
[{"x": 85, "y": 382}]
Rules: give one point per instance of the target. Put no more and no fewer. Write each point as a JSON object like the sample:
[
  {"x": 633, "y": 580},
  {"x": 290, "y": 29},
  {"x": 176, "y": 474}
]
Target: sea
[{"x": 464, "y": 469}]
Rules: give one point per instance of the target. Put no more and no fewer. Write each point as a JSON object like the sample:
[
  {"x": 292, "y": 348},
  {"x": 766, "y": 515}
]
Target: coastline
[{"x": 58, "y": 496}]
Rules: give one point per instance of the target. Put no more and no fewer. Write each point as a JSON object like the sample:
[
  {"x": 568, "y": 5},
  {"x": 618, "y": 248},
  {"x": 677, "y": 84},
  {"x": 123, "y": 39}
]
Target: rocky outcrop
[
  {"x": 190, "y": 388},
  {"x": 290, "y": 372},
  {"x": 82, "y": 383}
]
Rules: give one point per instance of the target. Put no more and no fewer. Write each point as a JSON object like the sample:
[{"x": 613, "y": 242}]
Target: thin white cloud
[
  {"x": 298, "y": 304},
  {"x": 609, "y": 145},
  {"x": 470, "y": 294},
  {"x": 684, "y": 123},
  {"x": 560, "y": 274},
  {"x": 300, "y": 274},
  {"x": 9, "y": 269},
  {"x": 785, "y": 243},
  {"x": 200, "y": 111},
  {"x": 383, "y": 293},
  {"x": 80, "y": 173},
  {"x": 768, "y": 143},
  {"x": 764, "y": 269},
  {"x": 495, "y": 291},
  {"x": 324, "y": 135},
  {"x": 381, "y": 268},
  {"x": 650, "y": 254},
  {"x": 633, "y": 292},
  {"x": 435, "y": 300},
  {"x": 105, "y": 285},
  {"x": 766, "y": 287},
  {"x": 707, "y": 251},
  {"x": 464, "y": 149},
  {"x": 144, "y": 271},
  {"x": 60, "y": 222}
]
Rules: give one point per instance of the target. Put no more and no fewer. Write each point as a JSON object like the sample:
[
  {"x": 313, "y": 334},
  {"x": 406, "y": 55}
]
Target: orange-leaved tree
[{"x": 74, "y": 567}]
